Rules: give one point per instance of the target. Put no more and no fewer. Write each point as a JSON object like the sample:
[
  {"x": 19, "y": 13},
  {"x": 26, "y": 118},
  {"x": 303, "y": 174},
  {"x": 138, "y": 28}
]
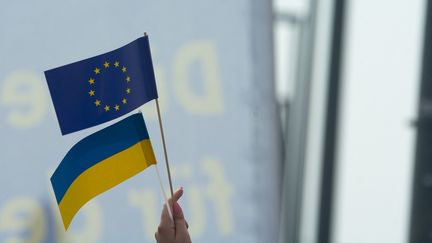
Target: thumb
[{"x": 180, "y": 222}]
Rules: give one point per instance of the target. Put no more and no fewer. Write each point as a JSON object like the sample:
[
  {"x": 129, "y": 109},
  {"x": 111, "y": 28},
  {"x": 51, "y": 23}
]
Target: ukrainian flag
[{"x": 100, "y": 162}]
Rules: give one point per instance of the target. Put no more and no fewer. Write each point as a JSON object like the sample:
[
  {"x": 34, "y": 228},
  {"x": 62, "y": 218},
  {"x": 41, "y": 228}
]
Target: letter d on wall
[{"x": 204, "y": 53}]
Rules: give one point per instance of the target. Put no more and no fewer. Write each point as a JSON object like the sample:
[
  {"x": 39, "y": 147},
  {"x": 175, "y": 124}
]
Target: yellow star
[
  {"x": 128, "y": 90},
  {"x": 124, "y": 69},
  {"x": 124, "y": 101},
  {"x": 128, "y": 79},
  {"x": 91, "y": 81},
  {"x": 106, "y": 64},
  {"x": 117, "y": 107},
  {"x": 107, "y": 108},
  {"x": 116, "y": 64},
  {"x": 97, "y": 103},
  {"x": 97, "y": 70},
  {"x": 91, "y": 93}
]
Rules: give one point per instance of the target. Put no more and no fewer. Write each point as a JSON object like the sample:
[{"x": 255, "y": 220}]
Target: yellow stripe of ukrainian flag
[{"x": 105, "y": 175}]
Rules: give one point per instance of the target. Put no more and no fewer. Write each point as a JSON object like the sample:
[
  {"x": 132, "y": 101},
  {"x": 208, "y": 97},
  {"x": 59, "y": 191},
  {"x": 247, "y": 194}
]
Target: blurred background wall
[
  {"x": 381, "y": 72},
  {"x": 214, "y": 70},
  {"x": 352, "y": 99}
]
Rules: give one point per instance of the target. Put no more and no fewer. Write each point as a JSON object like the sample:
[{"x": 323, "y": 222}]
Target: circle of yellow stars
[{"x": 92, "y": 92}]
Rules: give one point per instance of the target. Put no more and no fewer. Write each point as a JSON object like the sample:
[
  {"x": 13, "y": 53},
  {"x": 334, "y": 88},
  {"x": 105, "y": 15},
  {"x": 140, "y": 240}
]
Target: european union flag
[{"x": 104, "y": 87}]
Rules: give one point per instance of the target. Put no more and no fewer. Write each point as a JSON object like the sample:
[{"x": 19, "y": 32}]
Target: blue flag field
[{"x": 104, "y": 87}]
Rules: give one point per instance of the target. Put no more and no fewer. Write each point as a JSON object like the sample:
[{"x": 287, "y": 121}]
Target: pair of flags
[{"x": 91, "y": 92}]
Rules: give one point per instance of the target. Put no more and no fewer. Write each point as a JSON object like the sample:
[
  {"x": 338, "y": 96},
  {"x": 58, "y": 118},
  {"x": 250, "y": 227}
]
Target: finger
[
  {"x": 166, "y": 221},
  {"x": 165, "y": 218},
  {"x": 177, "y": 195},
  {"x": 187, "y": 225},
  {"x": 179, "y": 220}
]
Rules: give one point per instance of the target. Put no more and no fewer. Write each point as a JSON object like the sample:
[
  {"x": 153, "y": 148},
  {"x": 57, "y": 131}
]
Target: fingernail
[
  {"x": 180, "y": 190},
  {"x": 177, "y": 209}
]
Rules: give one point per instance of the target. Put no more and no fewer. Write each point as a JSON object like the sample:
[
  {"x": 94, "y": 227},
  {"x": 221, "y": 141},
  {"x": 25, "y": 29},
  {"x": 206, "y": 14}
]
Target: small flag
[
  {"x": 102, "y": 88},
  {"x": 100, "y": 162}
]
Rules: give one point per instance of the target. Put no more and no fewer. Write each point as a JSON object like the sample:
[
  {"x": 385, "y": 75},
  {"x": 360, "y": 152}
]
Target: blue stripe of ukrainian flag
[{"x": 100, "y": 162}]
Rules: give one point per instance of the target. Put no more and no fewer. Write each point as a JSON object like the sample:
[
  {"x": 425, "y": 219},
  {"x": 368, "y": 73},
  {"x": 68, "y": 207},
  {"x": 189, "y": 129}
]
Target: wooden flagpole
[
  {"x": 164, "y": 147},
  {"x": 164, "y": 144}
]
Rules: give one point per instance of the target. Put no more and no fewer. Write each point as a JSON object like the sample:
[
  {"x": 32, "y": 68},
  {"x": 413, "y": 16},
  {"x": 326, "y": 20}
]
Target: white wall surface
[{"x": 380, "y": 82}]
